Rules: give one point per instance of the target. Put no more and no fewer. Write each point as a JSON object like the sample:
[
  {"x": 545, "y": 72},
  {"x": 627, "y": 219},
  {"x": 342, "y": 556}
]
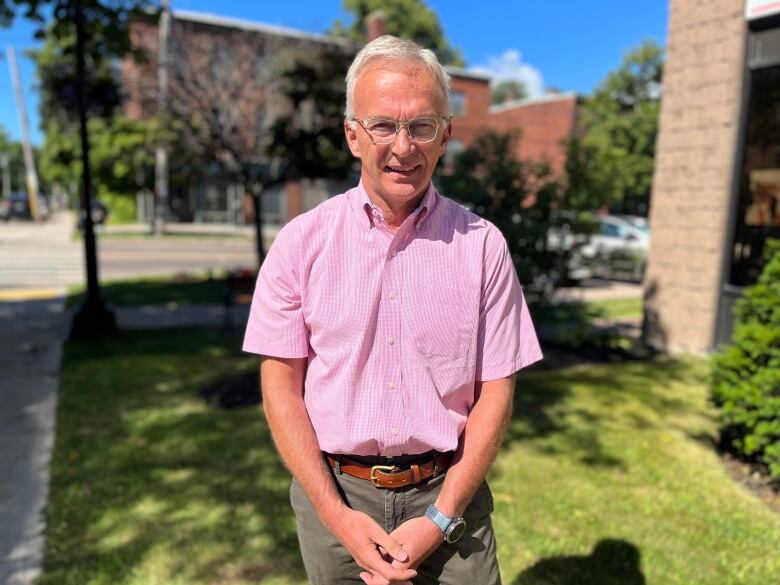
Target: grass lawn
[
  {"x": 607, "y": 477},
  {"x": 616, "y": 308},
  {"x": 149, "y": 290}
]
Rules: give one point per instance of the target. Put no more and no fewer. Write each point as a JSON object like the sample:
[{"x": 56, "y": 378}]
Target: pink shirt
[{"x": 396, "y": 328}]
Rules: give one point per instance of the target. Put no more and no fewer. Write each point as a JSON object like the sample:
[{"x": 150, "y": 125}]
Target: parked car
[
  {"x": 17, "y": 206},
  {"x": 99, "y": 213},
  {"x": 618, "y": 250}
]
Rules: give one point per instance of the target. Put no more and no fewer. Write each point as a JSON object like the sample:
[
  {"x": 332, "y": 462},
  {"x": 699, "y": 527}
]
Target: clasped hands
[{"x": 387, "y": 558}]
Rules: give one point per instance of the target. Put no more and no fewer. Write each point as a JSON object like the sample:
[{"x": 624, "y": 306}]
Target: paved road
[
  {"x": 46, "y": 256},
  {"x": 35, "y": 255},
  {"x": 127, "y": 257}
]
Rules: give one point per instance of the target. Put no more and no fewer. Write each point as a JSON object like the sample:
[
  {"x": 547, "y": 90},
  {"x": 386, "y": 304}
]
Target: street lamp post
[{"x": 92, "y": 318}]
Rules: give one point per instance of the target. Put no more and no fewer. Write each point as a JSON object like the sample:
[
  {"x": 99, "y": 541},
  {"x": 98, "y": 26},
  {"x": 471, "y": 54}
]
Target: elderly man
[{"x": 391, "y": 324}]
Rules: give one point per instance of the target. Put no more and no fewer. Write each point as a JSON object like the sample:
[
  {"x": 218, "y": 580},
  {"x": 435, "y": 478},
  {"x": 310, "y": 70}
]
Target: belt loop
[{"x": 338, "y": 465}]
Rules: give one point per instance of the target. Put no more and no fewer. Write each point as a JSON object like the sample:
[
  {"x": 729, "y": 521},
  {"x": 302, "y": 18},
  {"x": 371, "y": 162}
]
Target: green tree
[
  {"x": 522, "y": 199},
  {"x": 508, "y": 90},
  {"x": 621, "y": 122},
  {"x": 15, "y": 161},
  {"x": 410, "y": 19}
]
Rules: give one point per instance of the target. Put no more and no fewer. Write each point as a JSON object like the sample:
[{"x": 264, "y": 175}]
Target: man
[{"x": 391, "y": 323}]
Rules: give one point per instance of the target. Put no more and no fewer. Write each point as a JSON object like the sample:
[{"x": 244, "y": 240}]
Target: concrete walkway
[{"x": 31, "y": 337}]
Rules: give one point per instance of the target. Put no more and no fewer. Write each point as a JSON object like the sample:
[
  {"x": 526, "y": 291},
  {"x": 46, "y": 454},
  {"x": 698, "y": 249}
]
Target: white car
[{"x": 618, "y": 250}]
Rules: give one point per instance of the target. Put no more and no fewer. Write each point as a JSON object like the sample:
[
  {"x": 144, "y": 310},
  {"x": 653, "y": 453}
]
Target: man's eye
[
  {"x": 382, "y": 127},
  {"x": 424, "y": 127}
]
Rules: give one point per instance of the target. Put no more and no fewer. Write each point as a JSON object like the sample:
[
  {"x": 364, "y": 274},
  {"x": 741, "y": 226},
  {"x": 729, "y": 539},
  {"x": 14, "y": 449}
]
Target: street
[{"x": 47, "y": 257}]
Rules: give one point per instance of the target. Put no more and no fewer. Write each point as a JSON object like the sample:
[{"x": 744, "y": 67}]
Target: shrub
[{"x": 746, "y": 374}]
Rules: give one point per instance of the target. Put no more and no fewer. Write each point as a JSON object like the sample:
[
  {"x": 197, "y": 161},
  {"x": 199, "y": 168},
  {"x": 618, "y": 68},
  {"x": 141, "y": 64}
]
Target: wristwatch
[{"x": 453, "y": 529}]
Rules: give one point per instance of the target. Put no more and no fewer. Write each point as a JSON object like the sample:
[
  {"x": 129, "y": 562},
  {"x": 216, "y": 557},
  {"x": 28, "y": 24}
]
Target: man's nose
[{"x": 403, "y": 143}]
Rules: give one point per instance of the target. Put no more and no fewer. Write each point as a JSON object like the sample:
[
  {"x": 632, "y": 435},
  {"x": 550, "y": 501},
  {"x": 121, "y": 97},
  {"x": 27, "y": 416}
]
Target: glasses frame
[{"x": 398, "y": 125}]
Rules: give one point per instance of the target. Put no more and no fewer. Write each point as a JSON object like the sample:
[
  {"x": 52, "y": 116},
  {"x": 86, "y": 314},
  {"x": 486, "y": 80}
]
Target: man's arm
[
  {"x": 282, "y": 388},
  {"x": 477, "y": 449}
]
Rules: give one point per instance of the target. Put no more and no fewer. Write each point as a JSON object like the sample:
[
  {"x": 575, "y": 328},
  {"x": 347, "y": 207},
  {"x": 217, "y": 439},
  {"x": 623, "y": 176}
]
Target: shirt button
[
  {"x": 395, "y": 432},
  {"x": 395, "y": 253},
  {"x": 392, "y": 294},
  {"x": 391, "y": 340},
  {"x": 392, "y": 385}
]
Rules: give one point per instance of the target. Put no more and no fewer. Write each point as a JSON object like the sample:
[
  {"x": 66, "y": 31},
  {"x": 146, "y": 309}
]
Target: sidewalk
[
  {"x": 32, "y": 334},
  {"x": 31, "y": 337}
]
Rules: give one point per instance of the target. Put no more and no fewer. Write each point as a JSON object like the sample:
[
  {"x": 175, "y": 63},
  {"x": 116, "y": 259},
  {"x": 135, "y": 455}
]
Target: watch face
[{"x": 456, "y": 530}]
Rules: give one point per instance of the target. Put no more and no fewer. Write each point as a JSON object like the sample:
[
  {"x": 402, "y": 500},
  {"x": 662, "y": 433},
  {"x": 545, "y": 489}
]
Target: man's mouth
[{"x": 401, "y": 170}]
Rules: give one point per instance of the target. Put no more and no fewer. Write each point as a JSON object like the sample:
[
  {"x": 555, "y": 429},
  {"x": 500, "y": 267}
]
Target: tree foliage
[
  {"x": 746, "y": 374},
  {"x": 523, "y": 200},
  {"x": 410, "y": 19},
  {"x": 508, "y": 90},
  {"x": 15, "y": 161},
  {"x": 621, "y": 123}
]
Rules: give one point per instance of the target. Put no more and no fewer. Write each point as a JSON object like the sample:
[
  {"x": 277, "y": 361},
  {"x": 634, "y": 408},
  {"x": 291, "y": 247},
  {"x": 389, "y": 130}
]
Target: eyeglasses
[{"x": 384, "y": 130}]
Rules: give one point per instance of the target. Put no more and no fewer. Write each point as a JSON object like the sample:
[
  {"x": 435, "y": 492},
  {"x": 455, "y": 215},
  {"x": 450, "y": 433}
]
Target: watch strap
[{"x": 438, "y": 518}]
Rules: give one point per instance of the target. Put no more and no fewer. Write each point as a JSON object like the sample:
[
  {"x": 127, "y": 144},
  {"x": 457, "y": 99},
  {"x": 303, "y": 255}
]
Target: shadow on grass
[
  {"x": 149, "y": 483},
  {"x": 162, "y": 291},
  {"x": 612, "y": 562},
  {"x": 544, "y": 407}
]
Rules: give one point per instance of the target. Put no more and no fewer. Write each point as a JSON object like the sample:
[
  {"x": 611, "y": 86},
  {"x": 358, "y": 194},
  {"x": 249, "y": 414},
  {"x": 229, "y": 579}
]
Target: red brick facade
[{"x": 544, "y": 125}]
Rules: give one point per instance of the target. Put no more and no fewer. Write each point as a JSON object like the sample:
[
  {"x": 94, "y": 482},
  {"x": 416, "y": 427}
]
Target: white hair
[{"x": 390, "y": 48}]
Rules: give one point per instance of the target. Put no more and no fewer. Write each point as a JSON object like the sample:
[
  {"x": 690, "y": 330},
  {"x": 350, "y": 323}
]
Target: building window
[
  {"x": 758, "y": 211},
  {"x": 457, "y": 103}
]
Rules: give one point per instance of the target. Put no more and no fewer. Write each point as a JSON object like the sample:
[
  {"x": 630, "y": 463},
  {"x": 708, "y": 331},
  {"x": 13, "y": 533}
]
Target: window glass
[
  {"x": 457, "y": 103},
  {"x": 758, "y": 212}
]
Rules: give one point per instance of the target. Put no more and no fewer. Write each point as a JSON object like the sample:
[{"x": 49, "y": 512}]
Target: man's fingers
[
  {"x": 382, "y": 572},
  {"x": 389, "y": 546}
]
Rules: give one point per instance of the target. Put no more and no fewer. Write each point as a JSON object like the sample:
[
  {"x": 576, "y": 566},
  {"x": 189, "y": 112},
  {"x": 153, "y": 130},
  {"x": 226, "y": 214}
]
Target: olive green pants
[{"x": 470, "y": 561}]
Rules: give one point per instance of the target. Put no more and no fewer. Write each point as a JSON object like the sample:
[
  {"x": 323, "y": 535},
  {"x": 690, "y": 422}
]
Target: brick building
[
  {"x": 210, "y": 53},
  {"x": 545, "y": 124},
  {"x": 716, "y": 189},
  {"x": 224, "y": 64}
]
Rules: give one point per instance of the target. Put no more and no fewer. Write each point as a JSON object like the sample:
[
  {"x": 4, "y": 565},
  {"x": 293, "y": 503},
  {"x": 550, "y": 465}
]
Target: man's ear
[
  {"x": 445, "y": 136},
  {"x": 350, "y": 131}
]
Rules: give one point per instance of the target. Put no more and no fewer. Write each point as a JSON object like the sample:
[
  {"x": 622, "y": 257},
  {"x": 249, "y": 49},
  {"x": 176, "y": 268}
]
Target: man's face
[{"x": 400, "y": 171}]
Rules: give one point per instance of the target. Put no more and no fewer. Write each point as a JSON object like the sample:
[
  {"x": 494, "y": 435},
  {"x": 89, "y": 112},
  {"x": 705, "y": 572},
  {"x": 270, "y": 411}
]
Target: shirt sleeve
[
  {"x": 506, "y": 340},
  {"x": 276, "y": 326}
]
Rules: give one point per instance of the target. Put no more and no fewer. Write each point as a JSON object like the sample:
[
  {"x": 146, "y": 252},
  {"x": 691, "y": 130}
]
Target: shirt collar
[{"x": 370, "y": 212}]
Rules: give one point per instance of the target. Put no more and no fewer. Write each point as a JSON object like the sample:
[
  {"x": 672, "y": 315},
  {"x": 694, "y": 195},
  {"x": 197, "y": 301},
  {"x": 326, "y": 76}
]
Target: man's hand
[
  {"x": 364, "y": 539},
  {"x": 419, "y": 537}
]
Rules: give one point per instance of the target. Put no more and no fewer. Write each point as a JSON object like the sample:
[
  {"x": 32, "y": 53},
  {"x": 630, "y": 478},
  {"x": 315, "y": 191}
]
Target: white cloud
[{"x": 510, "y": 66}]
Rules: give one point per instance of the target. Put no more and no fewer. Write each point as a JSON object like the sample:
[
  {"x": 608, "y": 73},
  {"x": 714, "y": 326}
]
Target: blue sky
[{"x": 569, "y": 44}]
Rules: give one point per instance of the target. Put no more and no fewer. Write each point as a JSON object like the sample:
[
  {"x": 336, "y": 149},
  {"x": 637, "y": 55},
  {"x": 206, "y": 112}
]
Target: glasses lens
[
  {"x": 381, "y": 129},
  {"x": 423, "y": 129}
]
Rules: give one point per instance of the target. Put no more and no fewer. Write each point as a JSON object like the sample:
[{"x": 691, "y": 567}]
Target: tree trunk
[{"x": 257, "y": 204}]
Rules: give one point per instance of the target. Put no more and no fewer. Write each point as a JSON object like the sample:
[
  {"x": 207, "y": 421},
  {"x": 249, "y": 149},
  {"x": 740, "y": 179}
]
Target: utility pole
[
  {"x": 5, "y": 160},
  {"x": 29, "y": 163},
  {"x": 92, "y": 319},
  {"x": 161, "y": 152}
]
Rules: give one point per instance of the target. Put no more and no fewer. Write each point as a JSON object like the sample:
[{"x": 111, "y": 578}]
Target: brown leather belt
[{"x": 390, "y": 476}]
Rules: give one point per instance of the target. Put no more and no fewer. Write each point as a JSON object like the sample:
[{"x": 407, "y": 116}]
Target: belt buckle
[{"x": 385, "y": 468}]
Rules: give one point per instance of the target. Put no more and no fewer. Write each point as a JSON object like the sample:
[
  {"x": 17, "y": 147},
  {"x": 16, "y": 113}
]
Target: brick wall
[
  {"x": 545, "y": 124},
  {"x": 475, "y": 119},
  {"x": 695, "y": 161}
]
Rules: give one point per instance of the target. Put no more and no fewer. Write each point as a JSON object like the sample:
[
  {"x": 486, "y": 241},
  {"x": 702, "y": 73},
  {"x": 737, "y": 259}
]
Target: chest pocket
[{"x": 442, "y": 323}]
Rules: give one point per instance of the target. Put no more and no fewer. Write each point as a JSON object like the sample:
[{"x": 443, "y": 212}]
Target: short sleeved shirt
[{"x": 396, "y": 328}]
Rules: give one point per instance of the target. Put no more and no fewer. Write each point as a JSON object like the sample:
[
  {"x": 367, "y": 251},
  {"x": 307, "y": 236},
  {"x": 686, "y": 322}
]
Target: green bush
[
  {"x": 121, "y": 207},
  {"x": 746, "y": 374}
]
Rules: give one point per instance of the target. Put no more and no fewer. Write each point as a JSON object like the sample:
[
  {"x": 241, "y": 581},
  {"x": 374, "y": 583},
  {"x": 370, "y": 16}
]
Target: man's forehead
[{"x": 385, "y": 65}]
